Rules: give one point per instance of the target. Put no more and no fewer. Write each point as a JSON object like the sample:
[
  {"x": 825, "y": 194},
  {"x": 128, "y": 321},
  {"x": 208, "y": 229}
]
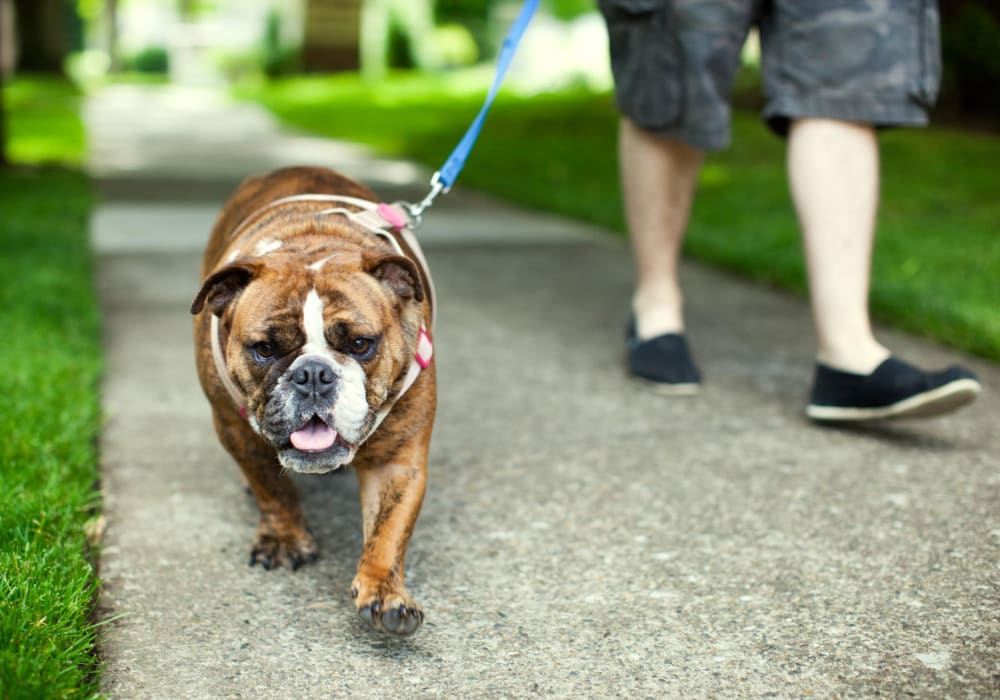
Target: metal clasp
[{"x": 416, "y": 211}]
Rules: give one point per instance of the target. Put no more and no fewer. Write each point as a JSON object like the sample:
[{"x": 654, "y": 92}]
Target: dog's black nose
[{"x": 314, "y": 377}]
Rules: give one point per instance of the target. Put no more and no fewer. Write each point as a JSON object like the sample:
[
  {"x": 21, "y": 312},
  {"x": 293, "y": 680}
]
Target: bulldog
[{"x": 312, "y": 337}]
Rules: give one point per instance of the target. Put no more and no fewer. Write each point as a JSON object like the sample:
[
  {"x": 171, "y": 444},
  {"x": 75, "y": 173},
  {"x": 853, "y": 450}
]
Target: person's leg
[
  {"x": 833, "y": 172},
  {"x": 833, "y": 73},
  {"x": 673, "y": 65},
  {"x": 659, "y": 176}
]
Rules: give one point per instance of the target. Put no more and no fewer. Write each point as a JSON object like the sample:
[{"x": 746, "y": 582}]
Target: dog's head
[{"x": 318, "y": 344}]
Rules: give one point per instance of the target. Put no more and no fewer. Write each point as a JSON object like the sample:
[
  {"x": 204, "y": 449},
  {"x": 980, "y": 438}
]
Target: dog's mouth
[{"x": 315, "y": 436}]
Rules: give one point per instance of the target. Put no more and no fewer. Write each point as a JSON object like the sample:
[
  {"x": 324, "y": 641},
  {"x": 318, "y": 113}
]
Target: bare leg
[
  {"x": 833, "y": 170},
  {"x": 658, "y": 176}
]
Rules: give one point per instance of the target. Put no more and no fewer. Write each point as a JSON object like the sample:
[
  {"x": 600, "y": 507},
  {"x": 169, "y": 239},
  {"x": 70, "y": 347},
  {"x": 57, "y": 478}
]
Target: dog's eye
[
  {"x": 263, "y": 352},
  {"x": 362, "y": 347}
]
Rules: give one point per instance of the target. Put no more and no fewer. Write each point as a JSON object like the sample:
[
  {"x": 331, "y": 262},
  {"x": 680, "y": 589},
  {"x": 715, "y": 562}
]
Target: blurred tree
[
  {"x": 970, "y": 32},
  {"x": 3, "y": 118},
  {"x": 102, "y": 16},
  {"x": 473, "y": 15},
  {"x": 190, "y": 9},
  {"x": 461, "y": 10},
  {"x": 480, "y": 17},
  {"x": 111, "y": 29},
  {"x": 41, "y": 32},
  {"x": 109, "y": 18},
  {"x": 570, "y": 9},
  {"x": 277, "y": 58},
  {"x": 395, "y": 32}
]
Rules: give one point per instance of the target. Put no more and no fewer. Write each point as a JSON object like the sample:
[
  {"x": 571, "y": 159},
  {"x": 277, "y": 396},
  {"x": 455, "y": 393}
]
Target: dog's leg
[
  {"x": 391, "y": 495},
  {"x": 283, "y": 538}
]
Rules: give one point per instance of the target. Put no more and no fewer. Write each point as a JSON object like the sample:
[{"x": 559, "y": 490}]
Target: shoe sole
[
  {"x": 930, "y": 403},
  {"x": 666, "y": 388}
]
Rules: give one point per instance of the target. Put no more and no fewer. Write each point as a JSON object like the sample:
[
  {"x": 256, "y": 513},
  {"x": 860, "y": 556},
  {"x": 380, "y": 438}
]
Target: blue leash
[{"x": 445, "y": 177}]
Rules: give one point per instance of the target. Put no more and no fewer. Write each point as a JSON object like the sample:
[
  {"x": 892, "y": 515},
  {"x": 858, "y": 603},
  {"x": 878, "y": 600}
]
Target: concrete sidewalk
[{"x": 581, "y": 537}]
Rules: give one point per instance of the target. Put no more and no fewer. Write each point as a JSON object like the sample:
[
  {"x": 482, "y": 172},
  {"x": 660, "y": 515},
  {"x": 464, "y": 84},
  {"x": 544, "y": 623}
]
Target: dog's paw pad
[
  {"x": 385, "y": 605},
  {"x": 399, "y": 619},
  {"x": 271, "y": 552}
]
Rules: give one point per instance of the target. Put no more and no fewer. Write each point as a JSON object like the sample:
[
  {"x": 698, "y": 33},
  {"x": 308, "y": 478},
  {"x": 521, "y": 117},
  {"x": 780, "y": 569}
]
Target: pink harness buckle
[
  {"x": 392, "y": 216},
  {"x": 425, "y": 349}
]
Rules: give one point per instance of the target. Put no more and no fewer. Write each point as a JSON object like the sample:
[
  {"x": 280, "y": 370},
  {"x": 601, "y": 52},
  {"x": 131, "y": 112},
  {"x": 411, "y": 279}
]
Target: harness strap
[
  {"x": 220, "y": 368},
  {"x": 388, "y": 221}
]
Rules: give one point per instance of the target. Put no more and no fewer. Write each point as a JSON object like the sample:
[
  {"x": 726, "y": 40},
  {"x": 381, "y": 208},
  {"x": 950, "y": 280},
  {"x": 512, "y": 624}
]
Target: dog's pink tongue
[{"x": 315, "y": 436}]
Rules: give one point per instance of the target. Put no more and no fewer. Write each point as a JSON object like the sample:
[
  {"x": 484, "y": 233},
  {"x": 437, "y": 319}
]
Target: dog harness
[{"x": 387, "y": 221}]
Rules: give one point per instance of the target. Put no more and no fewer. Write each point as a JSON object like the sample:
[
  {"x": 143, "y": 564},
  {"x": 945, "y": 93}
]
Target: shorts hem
[
  {"x": 877, "y": 112},
  {"x": 706, "y": 140}
]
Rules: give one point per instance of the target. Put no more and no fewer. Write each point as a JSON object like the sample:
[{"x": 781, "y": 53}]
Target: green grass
[
  {"x": 43, "y": 121},
  {"x": 50, "y": 415},
  {"x": 938, "y": 250}
]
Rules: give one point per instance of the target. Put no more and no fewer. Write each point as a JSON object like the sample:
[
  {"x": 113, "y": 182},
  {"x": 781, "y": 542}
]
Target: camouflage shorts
[{"x": 871, "y": 61}]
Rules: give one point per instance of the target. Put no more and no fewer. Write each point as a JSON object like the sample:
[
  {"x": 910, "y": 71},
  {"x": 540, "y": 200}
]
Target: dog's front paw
[
  {"x": 290, "y": 547},
  {"x": 386, "y": 606}
]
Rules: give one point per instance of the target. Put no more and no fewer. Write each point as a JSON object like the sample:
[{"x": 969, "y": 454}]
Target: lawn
[
  {"x": 44, "y": 125},
  {"x": 50, "y": 416},
  {"x": 938, "y": 249}
]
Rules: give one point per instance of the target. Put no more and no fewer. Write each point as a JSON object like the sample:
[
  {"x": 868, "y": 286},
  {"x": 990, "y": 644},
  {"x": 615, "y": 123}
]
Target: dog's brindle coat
[{"x": 258, "y": 283}]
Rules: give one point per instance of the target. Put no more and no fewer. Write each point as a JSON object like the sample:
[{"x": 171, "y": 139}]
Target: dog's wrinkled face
[{"x": 318, "y": 360}]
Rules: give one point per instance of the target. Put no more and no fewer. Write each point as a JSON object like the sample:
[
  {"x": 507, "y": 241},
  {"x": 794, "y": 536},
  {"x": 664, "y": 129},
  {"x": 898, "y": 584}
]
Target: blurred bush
[
  {"x": 400, "y": 49},
  {"x": 479, "y": 18},
  {"x": 971, "y": 52},
  {"x": 153, "y": 59},
  {"x": 455, "y": 45},
  {"x": 271, "y": 57},
  {"x": 276, "y": 57},
  {"x": 473, "y": 15},
  {"x": 569, "y": 9}
]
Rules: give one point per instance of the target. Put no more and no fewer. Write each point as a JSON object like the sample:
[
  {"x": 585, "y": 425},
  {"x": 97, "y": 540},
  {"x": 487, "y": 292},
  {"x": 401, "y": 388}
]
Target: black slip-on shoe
[
  {"x": 896, "y": 389},
  {"x": 664, "y": 363}
]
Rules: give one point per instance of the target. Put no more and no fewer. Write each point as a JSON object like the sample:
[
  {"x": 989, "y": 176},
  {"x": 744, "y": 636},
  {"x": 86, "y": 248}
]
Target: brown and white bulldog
[{"x": 312, "y": 343}]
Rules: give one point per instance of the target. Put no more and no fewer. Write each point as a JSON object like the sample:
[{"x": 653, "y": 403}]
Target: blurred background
[
  {"x": 228, "y": 41},
  {"x": 214, "y": 41}
]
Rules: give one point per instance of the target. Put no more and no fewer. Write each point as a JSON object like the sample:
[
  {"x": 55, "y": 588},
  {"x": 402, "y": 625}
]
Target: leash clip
[{"x": 416, "y": 211}]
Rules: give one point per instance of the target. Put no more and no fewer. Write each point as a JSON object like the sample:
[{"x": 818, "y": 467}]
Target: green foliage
[
  {"x": 276, "y": 59},
  {"x": 570, "y": 9},
  {"x": 455, "y": 45},
  {"x": 473, "y": 15},
  {"x": 462, "y": 10},
  {"x": 42, "y": 122},
  {"x": 400, "y": 49},
  {"x": 939, "y": 244},
  {"x": 90, "y": 10},
  {"x": 152, "y": 59},
  {"x": 192, "y": 9},
  {"x": 971, "y": 51},
  {"x": 49, "y": 423}
]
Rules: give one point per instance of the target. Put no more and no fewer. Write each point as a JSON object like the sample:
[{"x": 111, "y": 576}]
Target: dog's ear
[
  {"x": 395, "y": 271},
  {"x": 222, "y": 286}
]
